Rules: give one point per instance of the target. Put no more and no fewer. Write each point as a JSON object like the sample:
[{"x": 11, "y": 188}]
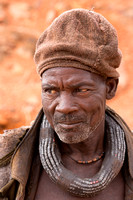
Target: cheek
[
  {"x": 46, "y": 102},
  {"x": 94, "y": 103},
  {"x": 96, "y": 109},
  {"x": 48, "y": 109},
  {"x": 48, "y": 115},
  {"x": 99, "y": 103}
]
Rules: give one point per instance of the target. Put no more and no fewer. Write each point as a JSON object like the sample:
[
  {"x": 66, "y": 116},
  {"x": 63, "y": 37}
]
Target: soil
[{"x": 21, "y": 23}]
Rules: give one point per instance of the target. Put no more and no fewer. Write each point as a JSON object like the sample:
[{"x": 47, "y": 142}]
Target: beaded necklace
[
  {"x": 87, "y": 161},
  {"x": 83, "y": 187}
]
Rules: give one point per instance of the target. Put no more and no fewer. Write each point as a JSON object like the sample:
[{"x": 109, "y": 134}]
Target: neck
[{"x": 88, "y": 149}]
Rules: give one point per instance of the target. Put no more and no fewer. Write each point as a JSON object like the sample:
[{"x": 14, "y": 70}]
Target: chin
[
  {"x": 73, "y": 138},
  {"x": 73, "y": 135}
]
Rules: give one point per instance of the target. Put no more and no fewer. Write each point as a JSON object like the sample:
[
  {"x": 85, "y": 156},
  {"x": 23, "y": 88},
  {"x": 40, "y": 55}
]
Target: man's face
[{"x": 73, "y": 102}]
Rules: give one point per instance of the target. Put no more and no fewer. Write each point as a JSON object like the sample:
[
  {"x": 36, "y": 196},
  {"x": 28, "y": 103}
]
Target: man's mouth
[
  {"x": 68, "y": 125},
  {"x": 69, "y": 121}
]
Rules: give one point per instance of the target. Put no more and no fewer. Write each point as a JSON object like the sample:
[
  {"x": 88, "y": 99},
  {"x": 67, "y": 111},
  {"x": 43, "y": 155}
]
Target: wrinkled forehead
[{"x": 70, "y": 75}]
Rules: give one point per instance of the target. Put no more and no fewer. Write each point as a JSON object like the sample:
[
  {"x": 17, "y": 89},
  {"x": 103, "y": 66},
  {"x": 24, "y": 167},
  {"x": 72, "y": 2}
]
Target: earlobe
[{"x": 111, "y": 87}]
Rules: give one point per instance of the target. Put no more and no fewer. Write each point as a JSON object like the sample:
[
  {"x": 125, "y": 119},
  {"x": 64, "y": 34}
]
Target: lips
[
  {"x": 68, "y": 121},
  {"x": 68, "y": 125}
]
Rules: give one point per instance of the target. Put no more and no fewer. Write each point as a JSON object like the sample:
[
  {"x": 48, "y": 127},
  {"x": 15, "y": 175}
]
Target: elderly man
[{"x": 77, "y": 148}]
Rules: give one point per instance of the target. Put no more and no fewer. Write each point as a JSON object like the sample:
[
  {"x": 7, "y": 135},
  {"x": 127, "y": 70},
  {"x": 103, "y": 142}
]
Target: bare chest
[{"x": 47, "y": 190}]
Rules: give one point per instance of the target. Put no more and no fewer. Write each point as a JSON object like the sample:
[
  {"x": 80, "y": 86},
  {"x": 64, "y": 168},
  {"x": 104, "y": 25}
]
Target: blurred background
[{"x": 21, "y": 23}]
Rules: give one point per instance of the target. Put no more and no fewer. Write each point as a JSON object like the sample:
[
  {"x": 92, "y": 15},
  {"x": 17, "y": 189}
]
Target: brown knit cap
[{"x": 82, "y": 39}]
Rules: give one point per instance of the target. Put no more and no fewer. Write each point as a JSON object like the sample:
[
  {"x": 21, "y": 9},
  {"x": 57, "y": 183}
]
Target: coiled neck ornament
[{"x": 86, "y": 187}]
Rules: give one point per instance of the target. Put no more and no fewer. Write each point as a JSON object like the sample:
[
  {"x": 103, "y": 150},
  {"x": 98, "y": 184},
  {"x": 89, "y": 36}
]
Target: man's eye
[
  {"x": 82, "y": 90},
  {"x": 50, "y": 91}
]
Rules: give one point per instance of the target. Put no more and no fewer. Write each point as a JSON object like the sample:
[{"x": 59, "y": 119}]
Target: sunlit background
[{"x": 21, "y": 23}]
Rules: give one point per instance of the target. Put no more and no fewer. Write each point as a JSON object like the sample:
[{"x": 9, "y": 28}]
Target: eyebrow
[
  {"x": 82, "y": 84},
  {"x": 70, "y": 86},
  {"x": 48, "y": 85}
]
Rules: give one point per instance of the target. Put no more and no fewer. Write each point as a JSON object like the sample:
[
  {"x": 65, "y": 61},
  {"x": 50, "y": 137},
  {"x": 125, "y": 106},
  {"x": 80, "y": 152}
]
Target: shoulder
[{"x": 10, "y": 139}]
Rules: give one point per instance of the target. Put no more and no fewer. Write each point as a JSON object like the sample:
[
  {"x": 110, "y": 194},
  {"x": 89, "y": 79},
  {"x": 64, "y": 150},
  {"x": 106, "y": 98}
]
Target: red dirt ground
[{"x": 21, "y": 22}]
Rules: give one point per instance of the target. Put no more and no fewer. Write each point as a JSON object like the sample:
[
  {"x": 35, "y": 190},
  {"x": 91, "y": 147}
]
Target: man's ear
[{"x": 111, "y": 87}]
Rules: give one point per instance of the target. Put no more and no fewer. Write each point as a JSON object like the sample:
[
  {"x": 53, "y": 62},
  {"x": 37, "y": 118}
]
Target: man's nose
[{"x": 66, "y": 103}]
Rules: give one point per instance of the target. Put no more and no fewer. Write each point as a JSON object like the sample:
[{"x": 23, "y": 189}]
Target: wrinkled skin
[{"x": 74, "y": 103}]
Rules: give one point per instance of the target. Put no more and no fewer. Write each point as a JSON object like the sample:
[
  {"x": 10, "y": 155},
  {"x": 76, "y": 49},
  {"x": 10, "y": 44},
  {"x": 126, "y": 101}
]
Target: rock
[
  {"x": 19, "y": 10},
  {"x": 2, "y": 15},
  {"x": 16, "y": 69},
  {"x": 3, "y": 121},
  {"x": 50, "y": 16},
  {"x": 128, "y": 12}
]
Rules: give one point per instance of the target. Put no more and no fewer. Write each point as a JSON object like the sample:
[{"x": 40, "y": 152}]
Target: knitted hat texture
[{"x": 82, "y": 39}]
